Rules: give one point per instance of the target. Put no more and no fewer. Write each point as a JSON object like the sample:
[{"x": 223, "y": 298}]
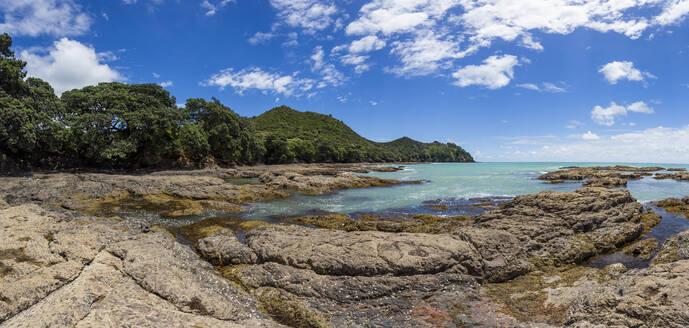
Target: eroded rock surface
[
  {"x": 367, "y": 253},
  {"x": 61, "y": 270},
  {"x": 600, "y": 176}
]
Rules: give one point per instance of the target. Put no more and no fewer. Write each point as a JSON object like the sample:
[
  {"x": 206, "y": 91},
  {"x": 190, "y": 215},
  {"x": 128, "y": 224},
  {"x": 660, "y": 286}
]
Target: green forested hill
[
  {"x": 292, "y": 135},
  {"x": 119, "y": 125}
]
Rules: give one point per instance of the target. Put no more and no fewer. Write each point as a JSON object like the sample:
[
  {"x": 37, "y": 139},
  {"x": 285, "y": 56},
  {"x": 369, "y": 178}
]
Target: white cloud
[
  {"x": 211, "y": 8},
  {"x": 606, "y": 115},
  {"x": 623, "y": 70},
  {"x": 590, "y": 136},
  {"x": 545, "y": 87},
  {"x": 640, "y": 107},
  {"x": 68, "y": 65},
  {"x": 166, "y": 84},
  {"x": 655, "y": 145},
  {"x": 673, "y": 12},
  {"x": 260, "y": 37},
  {"x": 311, "y": 15},
  {"x": 328, "y": 71},
  {"x": 425, "y": 53},
  {"x": 366, "y": 44},
  {"x": 37, "y": 17},
  {"x": 156, "y": 75},
  {"x": 495, "y": 72},
  {"x": 373, "y": 103},
  {"x": 394, "y": 16},
  {"x": 529, "y": 86},
  {"x": 573, "y": 124},
  {"x": 430, "y": 35},
  {"x": 256, "y": 78}
]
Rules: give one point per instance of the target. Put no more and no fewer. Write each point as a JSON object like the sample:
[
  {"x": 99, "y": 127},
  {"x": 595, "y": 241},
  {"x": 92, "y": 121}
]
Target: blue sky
[{"x": 526, "y": 80}]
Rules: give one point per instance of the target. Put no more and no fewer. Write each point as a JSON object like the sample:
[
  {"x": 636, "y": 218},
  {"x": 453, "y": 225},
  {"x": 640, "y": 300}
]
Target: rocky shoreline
[{"x": 68, "y": 260}]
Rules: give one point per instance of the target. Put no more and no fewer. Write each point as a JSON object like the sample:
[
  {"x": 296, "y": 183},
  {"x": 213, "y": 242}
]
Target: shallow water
[
  {"x": 454, "y": 181},
  {"x": 670, "y": 225}
]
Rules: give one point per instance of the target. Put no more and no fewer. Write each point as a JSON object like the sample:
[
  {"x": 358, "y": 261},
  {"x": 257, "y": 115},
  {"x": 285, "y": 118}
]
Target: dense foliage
[
  {"x": 117, "y": 125},
  {"x": 311, "y": 137}
]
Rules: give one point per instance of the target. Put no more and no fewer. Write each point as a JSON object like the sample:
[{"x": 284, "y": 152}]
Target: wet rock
[
  {"x": 324, "y": 184},
  {"x": 599, "y": 176},
  {"x": 675, "y": 205},
  {"x": 366, "y": 253},
  {"x": 224, "y": 249},
  {"x": 651, "y": 297},
  {"x": 673, "y": 169},
  {"x": 554, "y": 228},
  {"x": 674, "y": 249},
  {"x": 605, "y": 182},
  {"x": 384, "y": 168},
  {"x": 679, "y": 176},
  {"x": 643, "y": 248}
]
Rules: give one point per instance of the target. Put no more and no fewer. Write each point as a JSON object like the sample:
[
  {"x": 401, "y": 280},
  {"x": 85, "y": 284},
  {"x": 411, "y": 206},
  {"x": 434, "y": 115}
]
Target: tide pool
[{"x": 456, "y": 181}]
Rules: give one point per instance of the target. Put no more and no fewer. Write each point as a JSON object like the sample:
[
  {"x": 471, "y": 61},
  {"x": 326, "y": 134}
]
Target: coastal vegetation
[{"x": 118, "y": 125}]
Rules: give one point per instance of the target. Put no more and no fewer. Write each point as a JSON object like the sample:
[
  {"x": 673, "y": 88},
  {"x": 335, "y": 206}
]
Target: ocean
[{"x": 451, "y": 183}]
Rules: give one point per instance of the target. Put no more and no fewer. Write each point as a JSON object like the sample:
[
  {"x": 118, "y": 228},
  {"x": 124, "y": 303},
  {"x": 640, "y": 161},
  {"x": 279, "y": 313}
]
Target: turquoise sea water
[{"x": 455, "y": 182}]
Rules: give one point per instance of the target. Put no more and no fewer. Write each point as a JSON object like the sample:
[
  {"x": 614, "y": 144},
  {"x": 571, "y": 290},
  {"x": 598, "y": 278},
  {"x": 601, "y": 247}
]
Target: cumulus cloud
[
  {"x": 37, "y": 17},
  {"x": 606, "y": 115},
  {"x": 429, "y": 35},
  {"x": 425, "y": 53},
  {"x": 366, "y": 44},
  {"x": 265, "y": 82},
  {"x": 166, "y": 84},
  {"x": 393, "y": 16},
  {"x": 623, "y": 70},
  {"x": 68, "y": 65},
  {"x": 495, "y": 72},
  {"x": 673, "y": 12},
  {"x": 311, "y": 15},
  {"x": 590, "y": 136}
]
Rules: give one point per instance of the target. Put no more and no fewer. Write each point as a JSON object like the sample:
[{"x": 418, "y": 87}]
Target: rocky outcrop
[
  {"x": 181, "y": 193},
  {"x": 600, "y": 176},
  {"x": 555, "y": 228},
  {"x": 674, "y": 249},
  {"x": 368, "y": 253},
  {"x": 678, "y": 176},
  {"x": 652, "y": 297},
  {"x": 225, "y": 249},
  {"x": 61, "y": 270},
  {"x": 325, "y": 184},
  {"x": 605, "y": 182}
]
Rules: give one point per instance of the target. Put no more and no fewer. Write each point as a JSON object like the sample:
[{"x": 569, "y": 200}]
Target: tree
[
  {"x": 116, "y": 124},
  {"x": 30, "y": 113},
  {"x": 231, "y": 137}
]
